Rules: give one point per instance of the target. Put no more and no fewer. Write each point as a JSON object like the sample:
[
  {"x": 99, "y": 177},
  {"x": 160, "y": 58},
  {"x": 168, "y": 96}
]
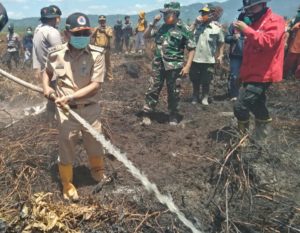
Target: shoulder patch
[
  {"x": 96, "y": 48},
  {"x": 56, "y": 48}
]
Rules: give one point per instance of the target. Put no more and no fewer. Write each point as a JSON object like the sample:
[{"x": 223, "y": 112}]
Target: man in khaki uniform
[
  {"x": 79, "y": 69},
  {"x": 102, "y": 37}
]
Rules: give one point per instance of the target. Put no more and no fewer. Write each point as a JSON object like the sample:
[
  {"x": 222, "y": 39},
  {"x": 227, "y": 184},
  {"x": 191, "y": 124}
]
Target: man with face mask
[
  {"x": 27, "y": 46},
  {"x": 79, "y": 68},
  {"x": 171, "y": 39},
  {"x": 45, "y": 36},
  {"x": 262, "y": 64},
  {"x": 209, "y": 51}
]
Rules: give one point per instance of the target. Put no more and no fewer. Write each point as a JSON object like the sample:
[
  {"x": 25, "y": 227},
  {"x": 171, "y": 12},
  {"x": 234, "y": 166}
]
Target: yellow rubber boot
[
  {"x": 97, "y": 167},
  {"x": 66, "y": 176}
]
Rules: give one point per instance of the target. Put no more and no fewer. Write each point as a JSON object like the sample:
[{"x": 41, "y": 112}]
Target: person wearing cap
[
  {"x": 45, "y": 36},
  {"x": 27, "y": 46},
  {"x": 118, "y": 33},
  {"x": 209, "y": 51},
  {"x": 58, "y": 11},
  {"x": 13, "y": 47},
  {"x": 140, "y": 29},
  {"x": 262, "y": 64},
  {"x": 171, "y": 39},
  {"x": 127, "y": 34},
  {"x": 101, "y": 37},
  {"x": 79, "y": 69},
  {"x": 292, "y": 60}
]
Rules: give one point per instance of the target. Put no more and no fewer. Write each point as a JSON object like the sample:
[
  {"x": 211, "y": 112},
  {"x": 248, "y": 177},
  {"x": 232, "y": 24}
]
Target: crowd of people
[{"x": 72, "y": 67}]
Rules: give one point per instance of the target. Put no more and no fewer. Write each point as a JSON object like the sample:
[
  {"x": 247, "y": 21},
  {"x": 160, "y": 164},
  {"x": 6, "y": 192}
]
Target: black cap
[
  {"x": 102, "y": 18},
  {"x": 11, "y": 27},
  {"x": 56, "y": 8},
  {"x": 77, "y": 22},
  {"x": 49, "y": 13}
]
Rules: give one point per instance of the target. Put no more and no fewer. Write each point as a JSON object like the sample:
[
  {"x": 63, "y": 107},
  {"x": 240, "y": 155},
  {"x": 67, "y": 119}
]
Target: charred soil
[{"x": 220, "y": 185}]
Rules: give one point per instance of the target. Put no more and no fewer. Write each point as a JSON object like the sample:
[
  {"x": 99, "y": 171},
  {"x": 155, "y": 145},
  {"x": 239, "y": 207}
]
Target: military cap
[
  {"x": 171, "y": 6},
  {"x": 77, "y": 22},
  {"x": 207, "y": 8},
  {"x": 49, "y": 13},
  {"x": 56, "y": 8},
  {"x": 102, "y": 18}
]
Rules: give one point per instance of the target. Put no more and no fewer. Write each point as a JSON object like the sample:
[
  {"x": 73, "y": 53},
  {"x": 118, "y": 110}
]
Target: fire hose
[{"x": 151, "y": 187}]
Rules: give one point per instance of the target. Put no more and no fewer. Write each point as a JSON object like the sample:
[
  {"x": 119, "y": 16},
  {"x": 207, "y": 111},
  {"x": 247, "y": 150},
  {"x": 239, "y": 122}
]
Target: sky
[{"x": 18, "y": 9}]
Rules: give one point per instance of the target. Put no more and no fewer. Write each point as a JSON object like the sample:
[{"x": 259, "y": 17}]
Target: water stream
[{"x": 151, "y": 187}]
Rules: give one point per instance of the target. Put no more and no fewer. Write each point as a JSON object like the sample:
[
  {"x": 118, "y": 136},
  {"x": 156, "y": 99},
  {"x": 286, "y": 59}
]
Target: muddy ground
[{"x": 220, "y": 186}]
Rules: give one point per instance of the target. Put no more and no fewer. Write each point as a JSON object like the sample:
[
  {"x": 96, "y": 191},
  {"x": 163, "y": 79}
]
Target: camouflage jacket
[{"x": 171, "y": 40}]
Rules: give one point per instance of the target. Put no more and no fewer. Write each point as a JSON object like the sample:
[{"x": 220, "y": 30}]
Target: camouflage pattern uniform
[{"x": 171, "y": 40}]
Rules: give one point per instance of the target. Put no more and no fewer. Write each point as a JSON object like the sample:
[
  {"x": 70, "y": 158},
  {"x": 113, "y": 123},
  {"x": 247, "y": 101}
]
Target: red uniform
[{"x": 263, "y": 54}]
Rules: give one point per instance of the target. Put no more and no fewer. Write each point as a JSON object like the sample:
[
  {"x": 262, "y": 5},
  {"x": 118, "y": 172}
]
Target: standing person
[
  {"x": 292, "y": 61},
  {"x": 127, "y": 34},
  {"x": 79, "y": 68},
  {"x": 171, "y": 39},
  {"x": 236, "y": 41},
  {"x": 102, "y": 37},
  {"x": 118, "y": 32},
  {"x": 13, "y": 47},
  {"x": 209, "y": 51},
  {"x": 140, "y": 29},
  {"x": 262, "y": 63},
  {"x": 27, "y": 46},
  {"x": 45, "y": 36}
]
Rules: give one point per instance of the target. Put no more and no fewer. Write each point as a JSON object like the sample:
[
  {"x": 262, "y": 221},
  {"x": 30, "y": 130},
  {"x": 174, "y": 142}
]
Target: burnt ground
[{"x": 219, "y": 185}]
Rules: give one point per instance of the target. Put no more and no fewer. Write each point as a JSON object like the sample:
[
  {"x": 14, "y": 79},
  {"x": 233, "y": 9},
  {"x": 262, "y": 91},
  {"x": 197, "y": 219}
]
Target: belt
[{"x": 78, "y": 106}]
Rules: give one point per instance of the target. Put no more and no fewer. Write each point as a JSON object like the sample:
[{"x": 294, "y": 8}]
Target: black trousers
[
  {"x": 201, "y": 74},
  {"x": 252, "y": 98}
]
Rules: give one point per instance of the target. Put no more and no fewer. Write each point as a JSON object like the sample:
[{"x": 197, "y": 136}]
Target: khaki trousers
[
  {"x": 69, "y": 130},
  {"x": 108, "y": 66}
]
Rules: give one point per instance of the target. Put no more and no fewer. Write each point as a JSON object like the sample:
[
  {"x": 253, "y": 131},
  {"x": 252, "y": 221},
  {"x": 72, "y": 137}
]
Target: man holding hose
[{"x": 79, "y": 68}]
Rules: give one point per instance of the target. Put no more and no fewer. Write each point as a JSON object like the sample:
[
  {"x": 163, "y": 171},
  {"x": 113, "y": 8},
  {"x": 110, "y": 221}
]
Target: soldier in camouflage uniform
[{"x": 171, "y": 39}]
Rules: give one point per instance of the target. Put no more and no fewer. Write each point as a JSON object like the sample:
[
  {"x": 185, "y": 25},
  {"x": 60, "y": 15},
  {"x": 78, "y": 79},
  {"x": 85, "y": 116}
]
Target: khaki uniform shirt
[
  {"x": 102, "y": 38},
  {"x": 74, "y": 72},
  {"x": 208, "y": 38}
]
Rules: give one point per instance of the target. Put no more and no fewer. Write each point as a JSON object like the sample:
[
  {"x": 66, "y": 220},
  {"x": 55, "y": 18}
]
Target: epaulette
[
  {"x": 56, "y": 48},
  {"x": 96, "y": 48},
  {"x": 217, "y": 23}
]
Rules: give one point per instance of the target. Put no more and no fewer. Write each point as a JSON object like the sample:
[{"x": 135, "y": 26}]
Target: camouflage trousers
[
  {"x": 12, "y": 56},
  {"x": 157, "y": 82}
]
